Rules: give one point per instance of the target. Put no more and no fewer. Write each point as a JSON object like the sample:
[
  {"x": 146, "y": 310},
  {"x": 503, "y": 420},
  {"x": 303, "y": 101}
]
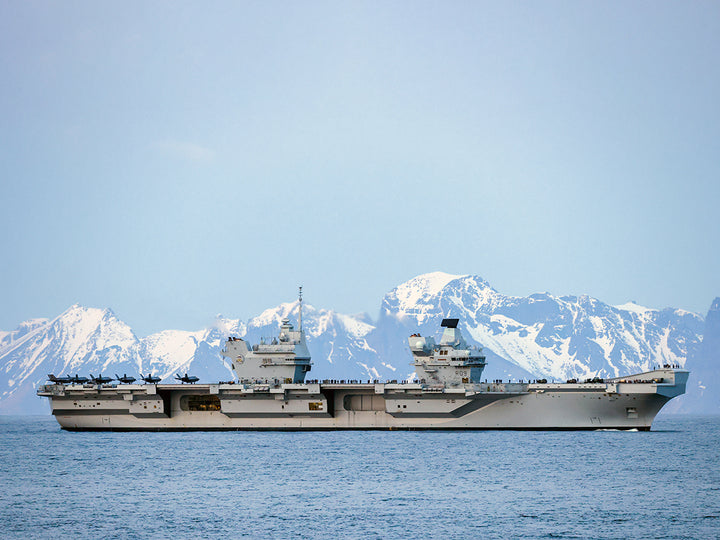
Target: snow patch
[
  {"x": 633, "y": 308},
  {"x": 354, "y": 327}
]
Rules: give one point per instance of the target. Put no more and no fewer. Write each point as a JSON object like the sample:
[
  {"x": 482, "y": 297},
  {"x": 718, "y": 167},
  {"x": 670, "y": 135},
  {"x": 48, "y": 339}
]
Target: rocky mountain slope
[{"x": 524, "y": 337}]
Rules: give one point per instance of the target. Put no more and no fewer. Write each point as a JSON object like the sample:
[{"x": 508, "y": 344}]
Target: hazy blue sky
[{"x": 175, "y": 160}]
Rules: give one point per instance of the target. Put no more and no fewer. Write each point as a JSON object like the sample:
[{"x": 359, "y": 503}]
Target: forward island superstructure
[{"x": 271, "y": 393}]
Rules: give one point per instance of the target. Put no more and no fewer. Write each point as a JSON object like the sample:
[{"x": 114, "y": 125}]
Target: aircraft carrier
[{"x": 271, "y": 393}]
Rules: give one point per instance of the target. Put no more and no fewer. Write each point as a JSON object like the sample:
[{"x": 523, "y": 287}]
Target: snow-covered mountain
[
  {"x": 704, "y": 362},
  {"x": 524, "y": 337},
  {"x": 549, "y": 336}
]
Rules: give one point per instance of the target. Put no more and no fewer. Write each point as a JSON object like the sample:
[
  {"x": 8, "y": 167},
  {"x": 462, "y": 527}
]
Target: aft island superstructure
[{"x": 271, "y": 393}]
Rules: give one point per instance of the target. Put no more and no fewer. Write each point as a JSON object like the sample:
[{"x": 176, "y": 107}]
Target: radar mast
[{"x": 300, "y": 309}]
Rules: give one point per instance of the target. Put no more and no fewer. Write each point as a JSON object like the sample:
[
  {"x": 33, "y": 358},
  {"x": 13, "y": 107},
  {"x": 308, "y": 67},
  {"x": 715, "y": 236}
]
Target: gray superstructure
[
  {"x": 448, "y": 393},
  {"x": 448, "y": 363}
]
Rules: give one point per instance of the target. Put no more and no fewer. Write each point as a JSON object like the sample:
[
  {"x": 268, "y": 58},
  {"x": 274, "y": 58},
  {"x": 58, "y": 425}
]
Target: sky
[{"x": 177, "y": 160}]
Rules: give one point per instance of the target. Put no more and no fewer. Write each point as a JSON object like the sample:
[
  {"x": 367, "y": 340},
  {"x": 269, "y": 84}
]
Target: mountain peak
[
  {"x": 227, "y": 327},
  {"x": 77, "y": 312},
  {"x": 436, "y": 279},
  {"x": 420, "y": 295},
  {"x": 421, "y": 288},
  {"x": 273, "y": 316},
  {"x": 633, "y": 307}
]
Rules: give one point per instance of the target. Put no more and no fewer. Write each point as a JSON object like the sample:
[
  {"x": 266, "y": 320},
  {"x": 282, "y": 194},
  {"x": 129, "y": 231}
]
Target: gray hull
[{"x": 628, "y": 403}]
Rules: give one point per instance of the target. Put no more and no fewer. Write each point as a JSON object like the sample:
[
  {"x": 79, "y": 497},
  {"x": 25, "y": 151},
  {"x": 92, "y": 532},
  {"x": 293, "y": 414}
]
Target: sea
[{"x": 664, "y": 483}]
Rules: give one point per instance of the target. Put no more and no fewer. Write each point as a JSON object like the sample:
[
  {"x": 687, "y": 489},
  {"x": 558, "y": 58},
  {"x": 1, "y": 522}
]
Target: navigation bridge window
[{"x": 200, "y": 403}]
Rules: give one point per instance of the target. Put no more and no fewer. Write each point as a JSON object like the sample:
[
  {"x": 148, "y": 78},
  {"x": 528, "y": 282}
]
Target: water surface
[{"x": 507, "y": 484}]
